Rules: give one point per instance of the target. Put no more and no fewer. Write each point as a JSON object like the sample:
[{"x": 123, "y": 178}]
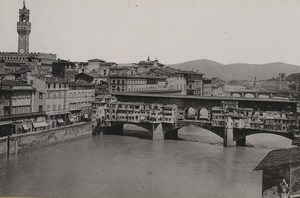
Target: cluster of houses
[
  {"x": 248, "y": 118},
  {"x": 107, "y": 109}
]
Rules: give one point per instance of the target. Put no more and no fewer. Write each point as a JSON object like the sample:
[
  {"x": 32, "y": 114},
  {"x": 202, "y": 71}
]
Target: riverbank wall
[{"x": 32, "y": 140}]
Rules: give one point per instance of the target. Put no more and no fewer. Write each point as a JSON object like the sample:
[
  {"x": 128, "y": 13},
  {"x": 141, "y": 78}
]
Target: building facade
[
  {"x": 57, "y": 102},
  {"x": 64, "y": 69},
  {"x": 136, "y": 83},
  {"x": 17, "y": 112},
  {"x": 81, "y": 96}
]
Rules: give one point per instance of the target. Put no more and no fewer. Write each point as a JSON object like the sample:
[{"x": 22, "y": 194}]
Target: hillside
[{"x": 239, "y": 71}]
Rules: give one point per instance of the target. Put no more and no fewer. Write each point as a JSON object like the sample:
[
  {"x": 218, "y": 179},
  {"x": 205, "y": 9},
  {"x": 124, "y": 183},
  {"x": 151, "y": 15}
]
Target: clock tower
[{"x": 23, "y": 28}]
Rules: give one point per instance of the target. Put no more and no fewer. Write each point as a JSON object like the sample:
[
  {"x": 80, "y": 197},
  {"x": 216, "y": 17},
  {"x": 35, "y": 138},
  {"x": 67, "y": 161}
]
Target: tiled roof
[
  {"x": 149, "y": 63},
  {"x": 14, "y": 64},
  {"x": 50, "y": 79},
  {"x": 95, "y": 75},
  {"x": 81, "y": 83},
  {"x": 280, "y": 157},
  {"x": 96, "y": 60},
  {"x": 13, "y": 83},
  {"x": 108, "y": 64},
  {"x": 64, "y": 62}
]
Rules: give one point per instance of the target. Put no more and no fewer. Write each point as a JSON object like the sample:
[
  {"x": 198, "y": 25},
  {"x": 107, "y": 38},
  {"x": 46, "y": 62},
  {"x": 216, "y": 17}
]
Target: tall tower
[{"x": 23, "y": 28}]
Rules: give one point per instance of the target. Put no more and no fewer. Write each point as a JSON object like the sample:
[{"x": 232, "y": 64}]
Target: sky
[{"x": 173, "y": 31}]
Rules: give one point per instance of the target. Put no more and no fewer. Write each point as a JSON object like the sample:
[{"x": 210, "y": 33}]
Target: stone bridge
[
  {"x": 258, "y": 93},
  {"x": 231, "y": 136}
]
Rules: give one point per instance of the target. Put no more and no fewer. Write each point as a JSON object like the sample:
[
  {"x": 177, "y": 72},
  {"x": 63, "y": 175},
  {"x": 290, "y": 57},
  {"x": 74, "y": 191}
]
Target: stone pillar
[
  {"x": 228, "y": 133},
  {"x": 158, "y": 133},
  {"x": 241, "y": 142}
]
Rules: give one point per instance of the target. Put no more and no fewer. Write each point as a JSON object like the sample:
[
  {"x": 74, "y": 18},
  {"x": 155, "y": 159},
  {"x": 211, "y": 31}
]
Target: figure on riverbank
[{"x": 284, "y": 189}]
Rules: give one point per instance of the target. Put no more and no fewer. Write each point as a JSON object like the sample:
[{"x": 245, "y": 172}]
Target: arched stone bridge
[
  {"x": 258, "y": 94},
  {"x": 231, "y": 136}
]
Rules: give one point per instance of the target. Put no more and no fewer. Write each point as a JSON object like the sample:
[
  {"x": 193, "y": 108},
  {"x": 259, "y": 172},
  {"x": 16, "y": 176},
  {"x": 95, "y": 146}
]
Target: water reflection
[{"x": 121, "y": 166}]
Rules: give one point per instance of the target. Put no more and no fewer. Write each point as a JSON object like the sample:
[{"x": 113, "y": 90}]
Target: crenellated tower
[{"x": 23, "y": 28}]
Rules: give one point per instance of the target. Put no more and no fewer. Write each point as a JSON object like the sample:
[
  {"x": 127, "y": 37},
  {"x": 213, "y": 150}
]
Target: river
[{"x": 123, "y": 166}]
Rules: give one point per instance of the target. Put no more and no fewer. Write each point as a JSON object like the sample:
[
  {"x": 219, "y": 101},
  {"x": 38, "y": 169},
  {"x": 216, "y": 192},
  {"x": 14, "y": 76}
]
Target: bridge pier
[
  {"x": 158, "y": 133},
  {"x": 228, "y": 134}
]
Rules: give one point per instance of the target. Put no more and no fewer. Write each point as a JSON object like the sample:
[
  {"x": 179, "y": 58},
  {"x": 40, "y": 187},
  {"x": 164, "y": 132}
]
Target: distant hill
[{"x": 239, "y": 71}]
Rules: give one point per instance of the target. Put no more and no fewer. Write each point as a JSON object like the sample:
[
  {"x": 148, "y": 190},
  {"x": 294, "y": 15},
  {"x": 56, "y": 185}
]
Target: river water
[{"x": 123, "y": 166}]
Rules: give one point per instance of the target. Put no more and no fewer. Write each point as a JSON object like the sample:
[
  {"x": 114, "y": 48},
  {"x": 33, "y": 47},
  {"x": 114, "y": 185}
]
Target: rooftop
[
  {"x": 280, "y": 157},
  {"x": 96, "y": 60},
  {"x": 81, "y": 83},
  {"x": 108, "y": 64},
  {"x": 150, "y": 63},
  {"x": 14, "y": 83},
  {"x": 94, "y": 75},
  {"x": 50, "y": 78}
]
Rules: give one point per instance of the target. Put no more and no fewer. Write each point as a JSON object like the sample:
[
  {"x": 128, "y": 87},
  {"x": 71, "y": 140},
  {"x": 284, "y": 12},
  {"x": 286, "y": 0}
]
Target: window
[
  {"x": 59, "y": 85},
  {"x": 40, "y": 95},
  {"x": 54, "y": 85},
  {"x": 48, "y": 85},
  {"x": 40, "y": 108}
]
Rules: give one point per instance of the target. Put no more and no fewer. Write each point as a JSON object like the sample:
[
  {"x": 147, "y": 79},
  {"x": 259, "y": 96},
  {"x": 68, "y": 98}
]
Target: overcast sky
[{"x": 227, "y": 31}]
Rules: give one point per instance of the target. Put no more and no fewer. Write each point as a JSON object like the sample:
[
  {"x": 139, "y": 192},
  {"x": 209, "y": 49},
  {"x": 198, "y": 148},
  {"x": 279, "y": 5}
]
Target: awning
[
  {"x": 86, "y": 116},
  {"x": 72, "y": 120},
  {"x": 40, "y": 124},
  {"x": 60, "y": 121},
  {"x": 25, "y": 127}
]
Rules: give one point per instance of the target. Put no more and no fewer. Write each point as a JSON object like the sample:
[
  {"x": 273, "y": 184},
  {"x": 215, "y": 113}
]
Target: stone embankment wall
[{"x": 26, "y": 141}]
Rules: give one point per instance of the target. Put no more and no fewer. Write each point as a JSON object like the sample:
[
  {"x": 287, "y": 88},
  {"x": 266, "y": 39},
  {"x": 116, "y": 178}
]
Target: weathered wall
[
  {"x": 295, "y": 180},
  {"x": 23, "y": 142},
  {"x": 272, "y": 179}
]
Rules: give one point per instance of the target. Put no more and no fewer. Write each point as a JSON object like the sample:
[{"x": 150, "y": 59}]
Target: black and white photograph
[{"x": 150, "y": 98}]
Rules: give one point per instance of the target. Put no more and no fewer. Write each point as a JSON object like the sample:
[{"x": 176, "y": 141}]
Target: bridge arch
[
  {"x": 190, "y": 113},
  {"x": 238, "y": 135},
  {"x": 249, "y": 95},
  {"x": 263, "y": 95},
  {"x": 203, "y": 114},
  {"x": 205, "y": 127},
  {"x": 236, "y": 95},
  {"x": 135, "y": 126}
]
